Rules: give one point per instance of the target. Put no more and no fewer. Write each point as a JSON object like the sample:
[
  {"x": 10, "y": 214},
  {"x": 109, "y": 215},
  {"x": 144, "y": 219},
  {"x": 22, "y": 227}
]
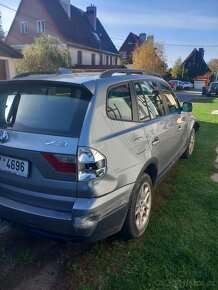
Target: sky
[{"x": 181, "y": 25}]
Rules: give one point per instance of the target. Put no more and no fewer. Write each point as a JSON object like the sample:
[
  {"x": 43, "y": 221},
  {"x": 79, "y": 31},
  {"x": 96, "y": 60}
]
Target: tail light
[
  {"x": 61, "y": 163},
  {"x": 90, "y": 164}
]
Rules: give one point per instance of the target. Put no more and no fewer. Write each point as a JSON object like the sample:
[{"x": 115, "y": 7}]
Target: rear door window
[
  {"x": 43, "y": 107},
  {"x": 170, "y": 98},
  {"x": 154, "y": 99},
  {"x": 119, "y": 103}
]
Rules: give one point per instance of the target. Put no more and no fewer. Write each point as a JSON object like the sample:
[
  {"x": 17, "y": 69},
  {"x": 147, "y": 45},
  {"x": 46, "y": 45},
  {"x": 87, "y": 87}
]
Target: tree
[
  {"x": 213, "y": 64},
  {"x": 2, "y": 33},
  {"x": 45, "y": 54},
  {"x": 178, "y": 70},
  {"x": 150, "y": 56}
]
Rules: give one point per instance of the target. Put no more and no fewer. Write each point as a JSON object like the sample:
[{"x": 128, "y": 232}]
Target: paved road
[{"x": 185, "y": 96}]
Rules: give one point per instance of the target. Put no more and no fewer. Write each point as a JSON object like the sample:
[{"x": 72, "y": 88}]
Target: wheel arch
[{"x": 151, "y": 168}]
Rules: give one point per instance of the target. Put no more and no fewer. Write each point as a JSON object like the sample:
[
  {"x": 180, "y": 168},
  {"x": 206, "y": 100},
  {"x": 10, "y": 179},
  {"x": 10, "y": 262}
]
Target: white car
[
  {"x": 187, "y": 85},
  {"x": 179, "y": 84}
]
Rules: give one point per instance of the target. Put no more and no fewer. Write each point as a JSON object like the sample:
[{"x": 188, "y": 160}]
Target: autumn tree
[
  {"x": 45, "y": 54},
  {"x": 150, "y": 56}
]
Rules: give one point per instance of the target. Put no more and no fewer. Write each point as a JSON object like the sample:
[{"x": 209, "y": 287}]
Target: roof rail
[
  {"x": 27, "y": 74},
  {"x": 60, "y": 71},
  {"x": 109, "y": 73},
  {"x": 64, "y": 71}
]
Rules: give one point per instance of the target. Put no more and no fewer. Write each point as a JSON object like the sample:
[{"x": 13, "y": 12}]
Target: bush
[{"x": 45, "y": 54}]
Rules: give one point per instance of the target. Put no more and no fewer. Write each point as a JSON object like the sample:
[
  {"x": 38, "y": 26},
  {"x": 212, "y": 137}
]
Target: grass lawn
[{"x": 179, "y": 249}]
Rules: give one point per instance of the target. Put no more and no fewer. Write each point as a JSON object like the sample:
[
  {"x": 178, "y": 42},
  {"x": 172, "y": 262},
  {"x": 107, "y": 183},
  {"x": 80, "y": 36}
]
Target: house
[
  {"x": 80, "y": 31},
  {"x": 129, "y": 45},
  {"x": 7, "y": 54},
  {"x": 195, "y": 64}
]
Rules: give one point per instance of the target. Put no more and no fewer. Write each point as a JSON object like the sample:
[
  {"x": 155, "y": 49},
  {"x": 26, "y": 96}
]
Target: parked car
[
  {"x": 81, "y": 155},
  {"x": 179, "y": 84},
  {"x": 187, "y": 85},
  {"x": 172, "y": 85},
  {"x": 212, "y": 89}
]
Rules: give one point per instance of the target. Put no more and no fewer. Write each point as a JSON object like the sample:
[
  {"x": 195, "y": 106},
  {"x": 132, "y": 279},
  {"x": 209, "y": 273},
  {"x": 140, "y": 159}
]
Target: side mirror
[{"x": 187, "y": 107}]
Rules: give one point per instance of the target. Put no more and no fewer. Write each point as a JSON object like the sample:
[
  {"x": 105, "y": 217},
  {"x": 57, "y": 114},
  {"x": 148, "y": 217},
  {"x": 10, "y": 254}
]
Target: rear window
[{"x": 43, "y": 107}]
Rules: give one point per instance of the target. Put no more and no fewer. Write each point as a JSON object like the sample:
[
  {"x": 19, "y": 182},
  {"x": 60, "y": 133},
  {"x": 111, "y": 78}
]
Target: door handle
[
  {"x": 155, "y": 141},
  {"x": 179, "y": 128}
]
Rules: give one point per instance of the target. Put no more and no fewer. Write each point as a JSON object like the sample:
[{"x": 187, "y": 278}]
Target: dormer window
[
  {"x": 41, "y": 26},
  {"x": 23, "y": 27}
]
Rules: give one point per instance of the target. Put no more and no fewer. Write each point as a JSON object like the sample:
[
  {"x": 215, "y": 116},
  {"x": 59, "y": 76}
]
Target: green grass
[
  {"x": 179, "y": 249},
  {"x": 24, "y": 258}
]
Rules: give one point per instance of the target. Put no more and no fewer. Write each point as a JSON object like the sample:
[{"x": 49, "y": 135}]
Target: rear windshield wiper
[{"x": 13, "y": 110}]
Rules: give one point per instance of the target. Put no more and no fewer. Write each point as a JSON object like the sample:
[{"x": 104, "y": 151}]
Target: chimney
[
  {"x": 142, "y": 38},
  {"x": 91, "y": 12},
  {"x": 201, "y": 52},
  {"x": 150, "y": 37},
  {"x": 66, "y": 6}
]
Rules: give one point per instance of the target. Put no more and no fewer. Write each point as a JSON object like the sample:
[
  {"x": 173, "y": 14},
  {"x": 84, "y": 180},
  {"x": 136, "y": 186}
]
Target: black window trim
[{"x": 136, "y": 100}]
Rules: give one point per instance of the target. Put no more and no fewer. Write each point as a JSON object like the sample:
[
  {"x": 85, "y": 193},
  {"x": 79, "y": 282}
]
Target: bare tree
[
  {"x": 2, "y": 33},
  {"x": 213, "y": 64}
]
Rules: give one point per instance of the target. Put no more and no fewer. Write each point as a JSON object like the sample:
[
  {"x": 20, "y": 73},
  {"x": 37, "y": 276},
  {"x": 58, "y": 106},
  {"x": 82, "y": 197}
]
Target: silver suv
[{"x": 81, "y": 154}]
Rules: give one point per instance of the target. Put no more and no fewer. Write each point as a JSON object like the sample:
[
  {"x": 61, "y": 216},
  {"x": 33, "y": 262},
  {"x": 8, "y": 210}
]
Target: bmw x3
[{"x": 81, "y": 154}]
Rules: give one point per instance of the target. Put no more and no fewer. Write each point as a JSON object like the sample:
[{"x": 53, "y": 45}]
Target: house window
[
  {"x": 107, "y": 60},
  {"x": 124, "y": 54},
  {"x": 41, "y": 26},
  {"x": 93, "y": 59},
  {"x": 111, "y": 60},
  {"x": 79, "y": 57},
  {"x": 101, "y": 59},
  {"x": 23, "y": 27},
  {"x": 104, "y": 59},
  {"x": 115, "y": 60}
]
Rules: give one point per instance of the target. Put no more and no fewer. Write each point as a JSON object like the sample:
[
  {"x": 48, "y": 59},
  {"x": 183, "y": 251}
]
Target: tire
[
  {"x": 139, "y": 211},
  {"x": 190, "y": 147}
]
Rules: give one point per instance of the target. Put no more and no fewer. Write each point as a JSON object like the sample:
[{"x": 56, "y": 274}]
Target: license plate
[{"x": 14, "y": 166}]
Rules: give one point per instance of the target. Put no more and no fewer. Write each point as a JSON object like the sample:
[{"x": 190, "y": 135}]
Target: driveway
[{"x": 186, "y": 96}]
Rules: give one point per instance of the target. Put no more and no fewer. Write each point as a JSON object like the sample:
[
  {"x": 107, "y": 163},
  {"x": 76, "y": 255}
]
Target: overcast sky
[{"x": 180, "y": 25}]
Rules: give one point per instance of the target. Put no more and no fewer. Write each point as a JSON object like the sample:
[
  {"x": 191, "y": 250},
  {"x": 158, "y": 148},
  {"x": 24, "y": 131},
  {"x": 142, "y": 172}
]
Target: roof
[
  {"x": 195, "y": 64},
  {"x": 78, "y": 30},
  {"x": 8, "y": 51},
  {"x": 130, "y": 43}
]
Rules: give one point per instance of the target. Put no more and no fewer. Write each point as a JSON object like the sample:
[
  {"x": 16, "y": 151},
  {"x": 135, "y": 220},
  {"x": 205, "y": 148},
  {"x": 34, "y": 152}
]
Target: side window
[
  {"x": 41, "y": 26},
  {"x": 170, "y": 98},
  {"x": 142, "y": 104},
  {"x": 154, "y": 100},
  {"x": 24, "y": 27},
  {"x": 119, "y": 104}
]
